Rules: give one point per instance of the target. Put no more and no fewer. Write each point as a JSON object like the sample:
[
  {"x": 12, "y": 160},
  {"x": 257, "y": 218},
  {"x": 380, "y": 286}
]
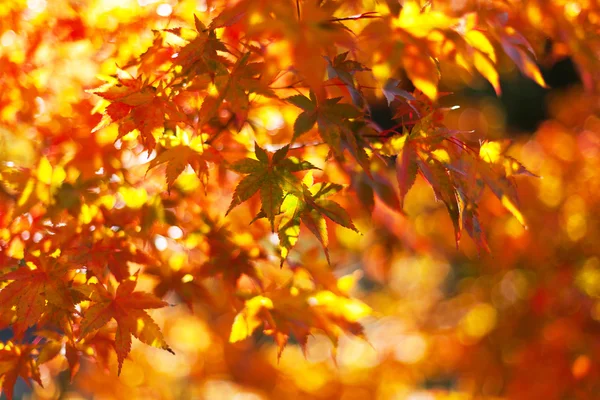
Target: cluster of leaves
[{"x": 92, "y": 215}]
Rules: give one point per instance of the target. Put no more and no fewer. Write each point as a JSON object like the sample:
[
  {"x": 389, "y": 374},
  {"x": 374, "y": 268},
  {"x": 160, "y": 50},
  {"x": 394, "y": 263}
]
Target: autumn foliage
[{"x": 209, "y": 178}]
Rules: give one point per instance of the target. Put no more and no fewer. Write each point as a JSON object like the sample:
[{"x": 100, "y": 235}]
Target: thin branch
[
  {"x": 301, "y": 146},
  {"x": 293, "y": 86},
  {"x": 367, "y": 15}
]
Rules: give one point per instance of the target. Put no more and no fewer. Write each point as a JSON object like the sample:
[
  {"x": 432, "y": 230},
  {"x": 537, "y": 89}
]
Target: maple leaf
[
  {"x": 101, "y": 344},
  {"x": 496, "y": 170},
  {"x": 54, "y": 345},
  {"x": 149, "y": 119},
  {"x": 16, "y": 360},
  {"x": 135, "y": 104},
  {"x": 336, "y": 123},
  {"x": 406, "y": 170},
  {"x": 182, "y": 151},
  {"x": 495, "y": 153},
  {"x": 414, "y": 152},
  {"x": 93, "y": 150},
  {"x": 313, "y": 32},
  {"x": 126, "y": 307},
  {"x": 468, "y": 45},
  {"x": 198, "y": 55},
  {"x": 475, "y": 45},
  {"x": 470, "y": 221},
  {"x": 156, "y": 56},
  {"x": 125, "y": 91},
  {"x": 344, "y": 69},
  {"x": 245, "y": 78},
  {"x": 378, "y": 184},
  {"x": 326, "y": 113},
  {"x": 391, "y": 92},
  {"x": 36, "y": 286},
  {"x": 440, "y": 180},
  {"x": 271, "y": 175},
  {"x": 34, "y": 187},
  {"x": 404, "y": 149},
  {"x": 411, "y": 28},
  {"x": 106, "y": 251},
  {"x": 184, "y": 283},
  {"x": 226, "y": 258},
  {"x": 250, "y": 318},
  {"x": 309, "y": 207},
  {"x": 308, "y": 28},
  {"x": 513, "y": 44},
  {"x": 234, "y": 86},
  {"x": 284, "y": 316},
  {"x": 422, "y": 69},
  {"x": 456, "y": 173}
]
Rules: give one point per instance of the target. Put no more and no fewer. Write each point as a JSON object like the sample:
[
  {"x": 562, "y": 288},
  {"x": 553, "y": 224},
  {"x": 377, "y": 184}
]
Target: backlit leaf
[{"x": 127, "y": 308}]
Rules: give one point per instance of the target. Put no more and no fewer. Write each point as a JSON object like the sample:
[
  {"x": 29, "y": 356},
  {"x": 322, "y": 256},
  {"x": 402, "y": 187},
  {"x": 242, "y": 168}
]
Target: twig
[{"x": 367, "y": 15}]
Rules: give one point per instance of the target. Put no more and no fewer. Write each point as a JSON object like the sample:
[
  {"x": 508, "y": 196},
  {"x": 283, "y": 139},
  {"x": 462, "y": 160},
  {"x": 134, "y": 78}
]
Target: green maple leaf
[
  {"x": 326, "y": 113},
  {"x": 310, "y": 207},
  {"x": 337, "y": 125},
  {"x": 272, "y": 176}
]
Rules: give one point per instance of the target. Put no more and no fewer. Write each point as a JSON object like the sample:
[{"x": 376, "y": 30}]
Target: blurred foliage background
[{"x": 521, "y": 322}]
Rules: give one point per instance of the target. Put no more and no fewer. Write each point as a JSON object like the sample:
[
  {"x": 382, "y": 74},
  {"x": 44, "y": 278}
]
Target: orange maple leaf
[
  {"x": 15, "y": 362},
  {"x": 127, "y": 308},
  {"x": 183, "y": 150},
  {"x": 136, "y": 104},
  {"x": 110, "y": 253},
  {"x": 34, "y": 288}
]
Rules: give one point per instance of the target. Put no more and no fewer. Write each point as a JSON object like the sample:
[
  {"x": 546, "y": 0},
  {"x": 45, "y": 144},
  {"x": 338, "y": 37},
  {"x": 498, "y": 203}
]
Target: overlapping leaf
[
  {"x": 17, "y": 361},
  {"x": 310, "y": 207},
  {"x": 271, "y": 175},
  {"x": 283, "y": 316},
  {"x": 135, "y": 104},
  {"x": 105, "y": 253},
  {"x": 182, "y": 151},
  {"x": 126, "y": 306},
  {"x": 36, "y": 287},
  {"x": 327, "y": 113}
]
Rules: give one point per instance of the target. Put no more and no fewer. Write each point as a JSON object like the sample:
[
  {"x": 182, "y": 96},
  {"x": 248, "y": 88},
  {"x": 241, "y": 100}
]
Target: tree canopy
[{"x": 209, "y": 178}]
